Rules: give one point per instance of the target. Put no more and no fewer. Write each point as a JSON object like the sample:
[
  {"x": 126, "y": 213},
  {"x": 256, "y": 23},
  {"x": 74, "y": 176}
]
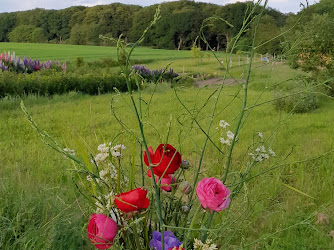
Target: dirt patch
[{"x": 212, "y": 82}]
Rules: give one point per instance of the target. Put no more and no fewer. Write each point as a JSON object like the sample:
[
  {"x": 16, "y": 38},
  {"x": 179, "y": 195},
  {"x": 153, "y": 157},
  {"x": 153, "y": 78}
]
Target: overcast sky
[{"x": 16, "y": 5}]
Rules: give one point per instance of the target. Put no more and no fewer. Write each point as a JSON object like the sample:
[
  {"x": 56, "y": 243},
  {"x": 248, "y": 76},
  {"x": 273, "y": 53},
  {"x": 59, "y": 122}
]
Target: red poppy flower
[
  {"x": 133, "y": 200},
  {"x": 165, "y": 159}
]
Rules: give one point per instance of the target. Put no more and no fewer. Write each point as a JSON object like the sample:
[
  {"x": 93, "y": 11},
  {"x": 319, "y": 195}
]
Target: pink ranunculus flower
[
  {"x": 212, "y": 194},
  {"x": 167, "y": 184},
  {"x": 101, "y": 230}
]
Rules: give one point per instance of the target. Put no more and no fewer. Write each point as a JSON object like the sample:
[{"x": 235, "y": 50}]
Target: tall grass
[{"x": 273, "y": 205}]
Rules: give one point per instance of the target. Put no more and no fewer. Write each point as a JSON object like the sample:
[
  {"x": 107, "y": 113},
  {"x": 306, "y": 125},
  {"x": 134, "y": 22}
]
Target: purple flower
[{"x": 170, "y": 240}]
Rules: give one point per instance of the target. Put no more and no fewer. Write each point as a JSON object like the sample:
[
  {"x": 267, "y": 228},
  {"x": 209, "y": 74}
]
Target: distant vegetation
[{"x": 177, "y": 29}]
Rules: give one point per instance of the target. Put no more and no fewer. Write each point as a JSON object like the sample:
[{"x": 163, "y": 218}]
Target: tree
[
  {"x": 311, "y": 48},
  {"x": 27, "y": 34},
  {"x": 7, "y": 24},
  {"x": 266, "y": 32}
]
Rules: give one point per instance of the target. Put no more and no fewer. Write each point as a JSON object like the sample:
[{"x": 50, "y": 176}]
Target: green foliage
[
  {"x": 266, "y": 32},
  {"x": 196, "y": 52},
  {"x": 177, "y": 29},
  {"x": 52, "y": 83},
  {"x": 7, "y": 23},
  {"x": 79, "y": 61},
  {"x": 310, "y": 47},
  {"x": 27, "y": 34},
  {"x": 296, "y": 96},
  {"x": 295, "y": 101},
  {"x": 41, "y": 211}
]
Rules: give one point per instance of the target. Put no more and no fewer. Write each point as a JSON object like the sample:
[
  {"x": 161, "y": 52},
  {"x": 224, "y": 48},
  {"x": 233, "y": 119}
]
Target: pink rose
[
  {"x": 101, "y": 230},
  {"x": 213, "y": 194}
]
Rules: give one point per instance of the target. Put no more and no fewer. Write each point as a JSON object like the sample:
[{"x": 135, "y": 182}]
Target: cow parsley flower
[
  {"x": 101, "y": 157},
  {"x": 230, "y": 135},
  {"x": 223, "y": 124},
  {"x": 103, "y": 148},
  {"x": 261, "y": 154},
  {"x": 271, "y": 152},
  {"x": 208, "y": 245},
  {"x": 223, "y": 141},
  {"x": 116, "y": 150},
  {"x": 89, "y": 178},
  {"x": 70, "y": 151},
  {"x": 260, "y": 135}
]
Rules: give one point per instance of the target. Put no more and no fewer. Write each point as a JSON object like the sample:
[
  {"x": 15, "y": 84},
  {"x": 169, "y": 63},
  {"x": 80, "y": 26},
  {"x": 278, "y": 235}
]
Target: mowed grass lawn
[{"x": 41, "y": 209}]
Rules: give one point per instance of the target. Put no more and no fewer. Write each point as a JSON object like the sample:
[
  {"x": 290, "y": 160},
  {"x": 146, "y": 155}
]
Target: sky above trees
[{"x": 284, "y": 6}]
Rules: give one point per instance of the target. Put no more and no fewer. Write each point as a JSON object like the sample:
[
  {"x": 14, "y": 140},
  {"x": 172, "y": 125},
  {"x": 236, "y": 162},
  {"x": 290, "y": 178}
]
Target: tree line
[{"x": 177, "y": 28}]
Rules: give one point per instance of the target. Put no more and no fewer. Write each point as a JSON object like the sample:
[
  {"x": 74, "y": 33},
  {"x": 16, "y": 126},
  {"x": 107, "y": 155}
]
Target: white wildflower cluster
[
  {"x": 223, "y": 124},
  {"x": 103, "y": 155},
  {"x": 70, "y": 151},
  {"x": 228, "y": 140},
  {"x": 261, "y": 153},
  {"x": 109, "y": 174},
  {"x": 260, "y": 134},
  {"x": 208, "y": 245},
  {"x": 229, "y": 135},
  {"x": 109, "y": 199},
  {"x": 99, "y": 206},
  {"x": 106, "y": 150},
  {"x": 117, "y": 150}
]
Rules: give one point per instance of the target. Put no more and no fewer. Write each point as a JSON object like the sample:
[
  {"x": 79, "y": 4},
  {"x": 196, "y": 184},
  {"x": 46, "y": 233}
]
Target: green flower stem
[
  {"x": 186, "y": 237},
  {"x": 242, "y": 113},
  {"x": 127, "y": 72},
  {"x": 205, "y": 233},
  {"x": 136, "y": 236},
  {"x": 146, "y": 232}
]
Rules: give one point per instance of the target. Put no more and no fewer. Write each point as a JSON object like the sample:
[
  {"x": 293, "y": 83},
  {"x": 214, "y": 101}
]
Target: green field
[
  {"x": 41, "y": 209},
  {"x": 153, "y": 58}
]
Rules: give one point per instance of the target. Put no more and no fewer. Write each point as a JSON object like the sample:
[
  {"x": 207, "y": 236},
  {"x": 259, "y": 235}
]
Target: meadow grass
[
  {"x": 182, "y": 61},
  {"x": 40, "y": 207}
]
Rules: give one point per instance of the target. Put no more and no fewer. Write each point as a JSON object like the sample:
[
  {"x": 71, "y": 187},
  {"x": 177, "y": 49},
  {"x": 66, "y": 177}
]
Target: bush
[
  {"x": 47, "y": 83},
  {"x": 297, "y": 101},
  {"x": 79, "y": 62}
]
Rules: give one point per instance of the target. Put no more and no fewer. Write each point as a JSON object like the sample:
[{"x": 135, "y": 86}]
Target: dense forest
[{"x": 176, "y": 29}]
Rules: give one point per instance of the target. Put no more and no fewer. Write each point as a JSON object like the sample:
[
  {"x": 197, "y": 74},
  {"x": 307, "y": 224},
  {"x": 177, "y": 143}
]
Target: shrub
[
  {"x": 297, "y": 100},
  {"x": 79, "y": 62},
  {"x": 48, "y": 83}
]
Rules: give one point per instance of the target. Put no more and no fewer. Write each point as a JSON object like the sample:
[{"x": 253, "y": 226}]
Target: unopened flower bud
[
  {"x": 185, "y": 187},
  {"x": 185, "y": 164}
]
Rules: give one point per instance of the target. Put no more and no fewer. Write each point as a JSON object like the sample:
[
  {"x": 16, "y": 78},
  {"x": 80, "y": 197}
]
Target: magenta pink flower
[
  {"x": 101, "y": 230},
  {"x": 167, "y": 183},
  {"x": 212, "y": 194}
]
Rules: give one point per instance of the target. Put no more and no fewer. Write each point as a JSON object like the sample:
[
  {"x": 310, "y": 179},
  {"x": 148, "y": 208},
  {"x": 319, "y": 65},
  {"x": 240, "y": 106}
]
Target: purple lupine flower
[{"x": 170, "y": 241}]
